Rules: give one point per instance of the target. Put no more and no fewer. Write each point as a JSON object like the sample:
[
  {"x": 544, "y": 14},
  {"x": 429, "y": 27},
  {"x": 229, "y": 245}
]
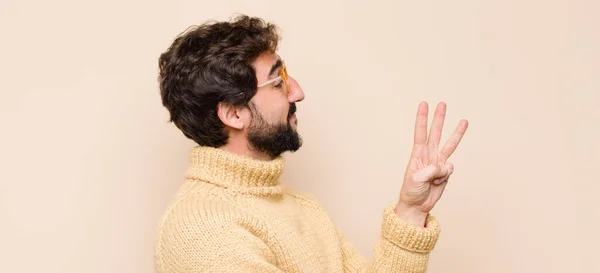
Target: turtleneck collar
[{"x": 230, "y": 170}]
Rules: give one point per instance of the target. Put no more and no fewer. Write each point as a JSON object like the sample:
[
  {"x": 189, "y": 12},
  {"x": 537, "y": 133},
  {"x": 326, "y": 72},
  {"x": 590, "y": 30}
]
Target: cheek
[
  {"x": 278, "y": 112},
  {"x": 274, "y": 107}
]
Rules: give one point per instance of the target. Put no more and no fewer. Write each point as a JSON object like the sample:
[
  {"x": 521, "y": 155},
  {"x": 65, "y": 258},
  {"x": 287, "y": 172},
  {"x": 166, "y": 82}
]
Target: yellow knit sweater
[{"x": 233, "y": 215}]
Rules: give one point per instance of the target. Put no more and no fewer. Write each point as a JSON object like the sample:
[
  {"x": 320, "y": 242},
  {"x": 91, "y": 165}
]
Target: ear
[{"x": 229, "y": 115}]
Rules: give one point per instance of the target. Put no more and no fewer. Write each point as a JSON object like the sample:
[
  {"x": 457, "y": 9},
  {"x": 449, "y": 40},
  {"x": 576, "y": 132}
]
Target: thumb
[
  {"x": 439, "y": 181},
  {"x": 432, "y": 172}
]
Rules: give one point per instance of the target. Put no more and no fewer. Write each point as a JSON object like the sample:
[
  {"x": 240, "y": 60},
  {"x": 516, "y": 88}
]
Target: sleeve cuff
[{"x": 407, "y": 236}]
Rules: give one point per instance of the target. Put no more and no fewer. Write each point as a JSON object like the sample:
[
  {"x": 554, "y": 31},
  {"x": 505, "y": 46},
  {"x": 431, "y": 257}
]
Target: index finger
[
  {"x": 454, "y": 140},
  {"x": 421, "y": 124}
]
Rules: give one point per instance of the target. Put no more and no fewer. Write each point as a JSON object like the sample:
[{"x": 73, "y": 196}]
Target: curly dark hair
[{"x": 209, "y": 64}]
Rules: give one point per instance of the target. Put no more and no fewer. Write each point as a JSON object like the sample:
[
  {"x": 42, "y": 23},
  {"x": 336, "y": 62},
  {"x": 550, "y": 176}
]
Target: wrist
[{"x": 411, "y": 215}]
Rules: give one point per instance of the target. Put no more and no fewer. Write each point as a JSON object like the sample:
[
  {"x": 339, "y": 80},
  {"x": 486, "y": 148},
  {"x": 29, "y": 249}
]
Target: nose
[{"x": 296, "y": 94}]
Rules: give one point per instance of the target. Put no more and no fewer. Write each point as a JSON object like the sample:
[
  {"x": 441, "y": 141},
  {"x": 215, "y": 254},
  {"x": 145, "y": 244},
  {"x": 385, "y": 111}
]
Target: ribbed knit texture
[{"x": 233, "y": 215}]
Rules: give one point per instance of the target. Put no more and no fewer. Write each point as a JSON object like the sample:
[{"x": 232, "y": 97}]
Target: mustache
[{"x": 292, "y": 110}]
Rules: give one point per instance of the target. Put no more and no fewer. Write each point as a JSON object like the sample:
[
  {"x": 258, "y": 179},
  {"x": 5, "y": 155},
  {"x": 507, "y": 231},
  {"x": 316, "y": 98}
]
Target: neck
[
  {"x": 233, "y": 170},
  {"x": 240, "y": 146}
]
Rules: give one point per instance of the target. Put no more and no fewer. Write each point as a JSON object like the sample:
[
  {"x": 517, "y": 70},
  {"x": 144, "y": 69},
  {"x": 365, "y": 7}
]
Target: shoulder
[
  {"x": 201, "y": 214},
  {"x": 305, "y": 199}
]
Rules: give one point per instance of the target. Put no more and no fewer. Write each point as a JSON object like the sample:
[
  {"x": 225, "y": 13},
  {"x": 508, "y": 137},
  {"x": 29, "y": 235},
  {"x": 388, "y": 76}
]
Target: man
[{"x": 226, "y": 88}]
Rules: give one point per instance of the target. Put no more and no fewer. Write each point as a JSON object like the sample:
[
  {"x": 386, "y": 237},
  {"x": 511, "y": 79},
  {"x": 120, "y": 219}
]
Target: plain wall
[{"x": 89, "y": 161}]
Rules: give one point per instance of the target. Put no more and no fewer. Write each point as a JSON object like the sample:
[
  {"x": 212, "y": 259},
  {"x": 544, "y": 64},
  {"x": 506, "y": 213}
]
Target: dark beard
[{"x": 270, "y": 139}]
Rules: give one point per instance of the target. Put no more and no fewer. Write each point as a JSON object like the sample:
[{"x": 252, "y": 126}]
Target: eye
[{"x": 279, "y": 84}]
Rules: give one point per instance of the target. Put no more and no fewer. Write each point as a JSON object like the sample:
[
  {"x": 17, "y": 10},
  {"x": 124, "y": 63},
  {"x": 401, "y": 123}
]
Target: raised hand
[{"x": 428, "y": 171}]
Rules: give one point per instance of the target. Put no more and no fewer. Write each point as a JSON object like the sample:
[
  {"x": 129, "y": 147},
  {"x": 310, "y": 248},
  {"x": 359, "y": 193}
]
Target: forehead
[{"x": 262, "y": 65}]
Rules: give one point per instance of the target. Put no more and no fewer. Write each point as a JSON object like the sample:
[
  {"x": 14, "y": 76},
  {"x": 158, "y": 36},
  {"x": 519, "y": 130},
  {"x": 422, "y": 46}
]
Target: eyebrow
[{"x": 275, "y": 66}]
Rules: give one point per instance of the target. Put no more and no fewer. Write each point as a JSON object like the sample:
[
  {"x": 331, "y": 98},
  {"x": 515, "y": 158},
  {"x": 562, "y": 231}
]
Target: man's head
[{"x": 225, "y": 86}]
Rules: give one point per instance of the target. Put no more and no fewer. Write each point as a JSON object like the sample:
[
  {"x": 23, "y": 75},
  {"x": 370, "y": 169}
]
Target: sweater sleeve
[
  {"x": 215, "y": 238},
  {"x": 400, "y": 248}
]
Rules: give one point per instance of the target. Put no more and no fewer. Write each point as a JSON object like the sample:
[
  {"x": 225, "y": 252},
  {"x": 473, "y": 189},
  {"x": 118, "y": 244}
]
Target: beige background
[{"x": 89, "y": 162}]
